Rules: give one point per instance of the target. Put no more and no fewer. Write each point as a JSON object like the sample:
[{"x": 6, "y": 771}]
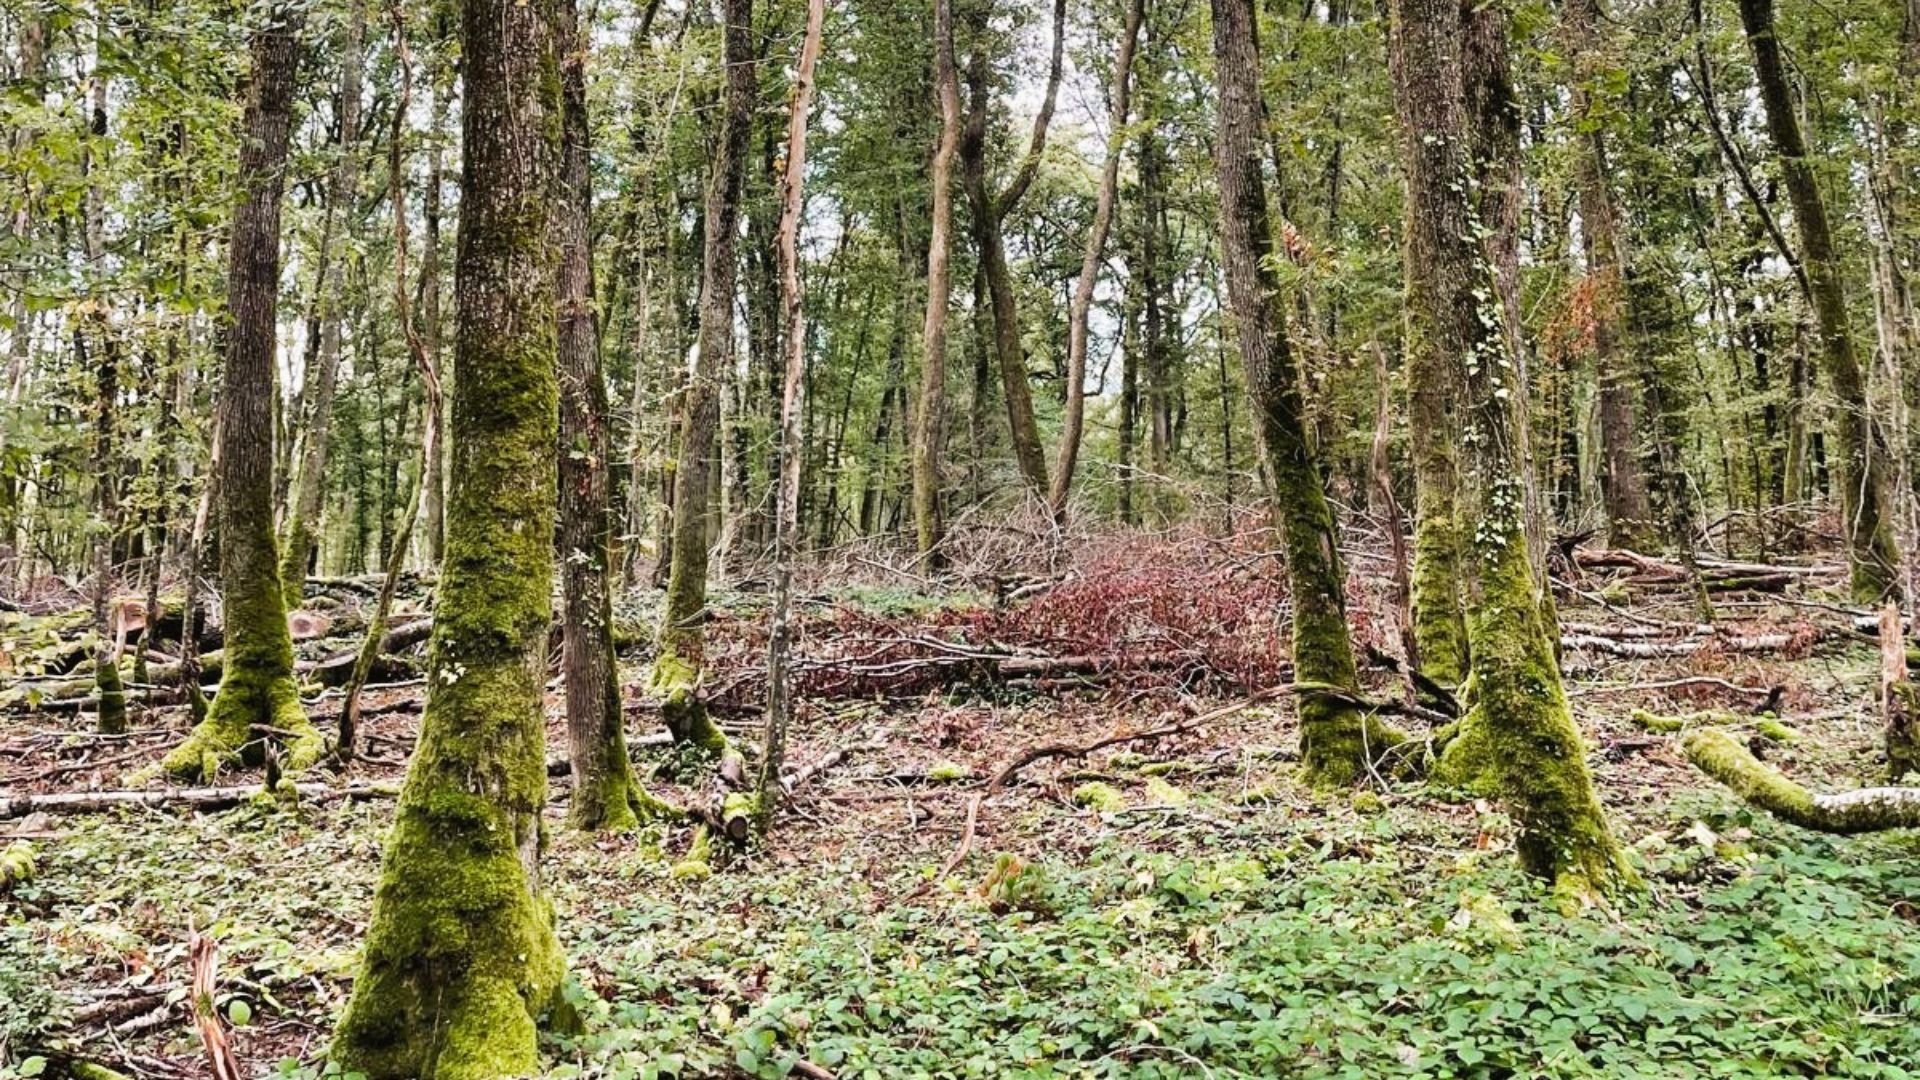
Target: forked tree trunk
[
  {"x": 1863, "y": 452},
  {"x": 605, "y": 793},
  {"x": 309, "y": 486},
  {"x": 1519, "y": 739},
  {"x": 460, "y": 955},
  {"x": 257, "y": 694},
  {"x": 1076, "y": 402},
  {"x": 1340, "y": 744},
  {"x": 930, "y": 417},
  {"x": 675, "y": 679}
]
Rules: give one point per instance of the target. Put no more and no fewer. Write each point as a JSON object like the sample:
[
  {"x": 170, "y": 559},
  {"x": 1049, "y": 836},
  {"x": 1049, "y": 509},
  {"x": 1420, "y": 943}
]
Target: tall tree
[
  {"x": 990, "y": 210},
  {"x": 1341, "y": 743},
  {"x": 461, "y": 956},
  {"x": 1519, "y": 737},
  {"x": 605, "y": 793},
  {"x": 682, "y": 636},
  {"x": 1077, "y": 316},
  {"x": 257, "y": 696},
  {"x": 1874, "y": 559},
  {"x": 930, "y": 417},
  {"x": 316, "y": 426}
]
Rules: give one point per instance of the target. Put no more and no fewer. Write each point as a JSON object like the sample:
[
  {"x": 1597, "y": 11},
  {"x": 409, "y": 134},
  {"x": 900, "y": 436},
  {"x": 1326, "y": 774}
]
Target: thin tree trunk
[
  {"x": 786, "y": 518},
  {"x": 460, "y": 956},
  {"x": 1076, "y": 402},
  {"x": 309, "y": 486},
  {"x": 112, "y": 714},
  {"x": 433, "y": 499},
  {"x": 1863, "y": 453},
  {"x": 930, "y": 416},
  {"x": 677, "y": 667},
  {"x": 257, "y": 691},
  {"x": 1339, "y": 743}
]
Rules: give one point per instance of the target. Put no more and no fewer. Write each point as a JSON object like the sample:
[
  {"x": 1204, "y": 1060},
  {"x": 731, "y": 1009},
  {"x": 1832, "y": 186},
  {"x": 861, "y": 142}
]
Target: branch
[{"x": 1721, "y": 756}]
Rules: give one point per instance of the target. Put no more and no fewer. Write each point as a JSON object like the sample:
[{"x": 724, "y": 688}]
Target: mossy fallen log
[
  {"x": 197, "y": 798},
  {"x": 1723, "y": 757}
]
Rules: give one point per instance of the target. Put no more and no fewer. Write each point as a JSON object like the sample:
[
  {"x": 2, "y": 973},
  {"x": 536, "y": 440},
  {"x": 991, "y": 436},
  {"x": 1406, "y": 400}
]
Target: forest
[{"x": 634, "y": 539}]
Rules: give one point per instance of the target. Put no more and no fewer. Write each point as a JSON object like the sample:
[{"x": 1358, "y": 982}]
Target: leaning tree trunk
[
  {"x": 930, "y": 417},
  {"x": 1519, "y": 738},
  {"x": 461, "y": 956},
  {"x": 605, "y": 793},
  {"x": 1340, "y": 744},
  {"x": 1076, "y": 401},
  {"x": 257, "y": 692},
  {"x": 675, "y": 679},
  {"x": 309, "y": 488},
  {"x": 1863, "y": 452}
]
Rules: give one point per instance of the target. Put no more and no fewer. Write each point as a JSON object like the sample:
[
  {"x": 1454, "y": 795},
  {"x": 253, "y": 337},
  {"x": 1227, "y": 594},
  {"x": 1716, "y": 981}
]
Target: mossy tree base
[{"x": 675, "y": 682}]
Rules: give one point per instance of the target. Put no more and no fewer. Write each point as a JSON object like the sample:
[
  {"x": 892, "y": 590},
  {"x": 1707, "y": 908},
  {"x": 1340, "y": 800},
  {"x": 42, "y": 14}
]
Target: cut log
[
  {"x": 1643, "y": 650},
  {"x": 1899, "y": 698}
]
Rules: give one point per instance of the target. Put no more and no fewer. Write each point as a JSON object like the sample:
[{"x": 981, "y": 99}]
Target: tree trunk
[
  {"x": 309, "y": 487},
  {"x": 930, "y": 417},
  {"x": 1340, "y": 744},
  {"x": 1863, "y": 452},
  {"x": 461, "y": 956},
  {"x": 112, "y": 715},
  {"x": 1076, "y": 401},
  {"x": 433, "y": 498},
  {"x": 605, "y": 793},
  {"x": 257, "y": 690},
  {"x": 675, "y": 679},
  {"x": 1519, "y": 739},
  {"x": 989, "y": 212}
]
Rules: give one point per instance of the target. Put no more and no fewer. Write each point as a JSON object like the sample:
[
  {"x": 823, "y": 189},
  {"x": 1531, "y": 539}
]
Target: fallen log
[
  {"x": 1722, "y": 757},
  {"x": 201, "y": 798},
  {"x": 1645, "y": 650}
]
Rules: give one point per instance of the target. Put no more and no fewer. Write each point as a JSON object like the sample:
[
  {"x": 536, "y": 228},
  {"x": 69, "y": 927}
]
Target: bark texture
[
  {"x": 930, "y": 417},
  {"x": 1340, "y": 744},
  {"x": 461, "y": 957},
  {"x": 1518, "y": 739},
  {"x": 257, "y": 690}
]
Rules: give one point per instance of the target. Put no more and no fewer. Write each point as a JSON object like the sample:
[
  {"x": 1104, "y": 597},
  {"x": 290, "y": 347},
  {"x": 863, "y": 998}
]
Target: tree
[
  {"x": 675, "y": 679},
  {"x": 1873, "y": 557},
  {"x": 929, "y": 419},
  {"x": 257, "y": 696},
  {"x": 1340, "y": 742},
  {"x": 1090, "y": 268},
  {"x": 316, "y": 426},
  {"x": 461, "y": 956},
  {"x": 605, "y": 793},
  {"x": 1518, "y": 738},
  {"x": 990, "y": 211}
]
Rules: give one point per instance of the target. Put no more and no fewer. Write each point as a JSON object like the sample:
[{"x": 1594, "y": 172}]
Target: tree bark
[
  {"x": 1863, "y": 452},
  {"x": 1076, "y": 401},
  {"x": 675, "y": 679},
  {"x": 461, "y": 956},
  {"x": 257, "y": 690},
  {"x": 930, "y": 417},
  {"x": 1340, "y": 744},
  {"x": 309, "y": 487},
  {"x": 1519, "y": 740}
]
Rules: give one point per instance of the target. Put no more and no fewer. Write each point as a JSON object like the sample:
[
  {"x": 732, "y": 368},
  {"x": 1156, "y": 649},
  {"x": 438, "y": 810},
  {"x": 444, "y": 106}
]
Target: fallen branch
[
  {"x": 203, "y": 798},
  {"x": 1071, "y": 750},
  {"x": 1647, "y": 650},
  {"x": 959, "y": 855},
  {"x": 213, "y": 1034},
  {"x": 1722, "y": 757}
]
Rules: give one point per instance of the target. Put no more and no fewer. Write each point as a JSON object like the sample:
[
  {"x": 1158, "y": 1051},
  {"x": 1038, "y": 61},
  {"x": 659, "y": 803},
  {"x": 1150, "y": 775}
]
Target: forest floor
[{"x": 1180, "y": 906}]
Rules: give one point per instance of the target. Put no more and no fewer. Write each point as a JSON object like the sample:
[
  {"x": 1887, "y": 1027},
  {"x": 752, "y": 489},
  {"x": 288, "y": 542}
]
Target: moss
[
  {"x": 947, "y": 772},
  {"x": 112, "y": 693},
  {"x": 674, "y": 680},
  {"x": 1520, "y": 736},
  {"x": 698, "y": 863},
  {"x": 1259, "y": 795},
  {"x": 1903, "y": 730},
  {"x": 1721, "y": 756},
  {"x": 16, "y": 864},
  {"x": 1161, "y": 793},
  {"x": 87, "y": 1070},
  {"x": 1368, "y": 802},
  {"x": 1097, "y": 795},
  {"x": 1439, "y": 625},
  {"x": 1770, "y": 728},
  {"x": 1658, "y": 724}
]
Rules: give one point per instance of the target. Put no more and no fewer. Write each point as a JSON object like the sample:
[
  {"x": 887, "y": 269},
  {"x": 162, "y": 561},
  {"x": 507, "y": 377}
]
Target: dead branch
[
  {"x": 213, "y": 1034},
  {"x": 203, "y": 798},
  {"x": 1071, "y": 750}
]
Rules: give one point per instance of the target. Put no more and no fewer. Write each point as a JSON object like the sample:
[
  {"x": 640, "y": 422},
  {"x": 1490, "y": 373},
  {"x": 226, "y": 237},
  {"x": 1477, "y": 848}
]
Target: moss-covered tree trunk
[
  {"x": 605, "y": 793},
  {"x": 257, "y": 694},
  {"x": 677, "y": 667},
  {"x": 1863, "y": 451},
  {"x": 112, "y": 709},
  {"x": 930, "y": 415},
  {"x": 461, "y": 958},
  {"x": 1340, "y": 743},
  {"x": 309, "y": 485},
  {"x": 1519, "y": 737}
]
